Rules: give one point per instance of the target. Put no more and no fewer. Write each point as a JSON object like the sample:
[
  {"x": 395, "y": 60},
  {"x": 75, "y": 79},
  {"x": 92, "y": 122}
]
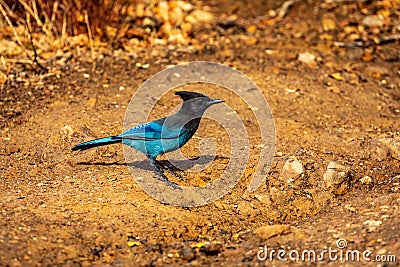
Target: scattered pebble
[
  {"x": 366, "y": 180},
  {"x": 91, "y": 103},
  {"x": 335, "y": 175},
  {"x": 291, "y": 170},
  {"x": 383, "y": 148},
  {"x": 199, "y": 16},
  {"x": 268, "y": 231},
  {"x": 349, "y": 207},
  {"x": 67, "y": 130},
  {"x": 187, "y": 254},
  {"x": 372, "y": 225},
  {"x": 372, "y": 21},
  {"x": 307, "y": 58},
  {"x": 210, "y": 247},
  {"x": 328, "y": 24},
  {"x": 335, "y": 89},
  {"x": 11, "y": 149}
]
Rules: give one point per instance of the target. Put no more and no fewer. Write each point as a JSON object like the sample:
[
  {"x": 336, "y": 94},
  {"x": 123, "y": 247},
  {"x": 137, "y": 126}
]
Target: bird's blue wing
[{"x": 150, "y": 131}]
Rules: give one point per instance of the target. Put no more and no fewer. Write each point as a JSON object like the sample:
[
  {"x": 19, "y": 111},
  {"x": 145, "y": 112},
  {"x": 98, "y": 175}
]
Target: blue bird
[{"x": 163, "y": 135}]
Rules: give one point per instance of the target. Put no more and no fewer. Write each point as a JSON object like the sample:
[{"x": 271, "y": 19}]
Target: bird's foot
[
  {"x": 166, "y": 168},
  {"x": 164, "y": 178},
  {"x": 182, "y": 178}
]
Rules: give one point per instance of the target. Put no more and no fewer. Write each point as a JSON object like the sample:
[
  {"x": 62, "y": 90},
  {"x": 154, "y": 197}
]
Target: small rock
[
  {"x": 372, "y": 21},
  {"x": 263, "y": 198},
  {"x": 91, "y": 103},
  {"x": 268, "y": 231},
  {"x": 328, "y": 24},
  {"x": 394, "y": 148},
  {"x": 372, "y": 225},
  {"x": 307, "y": 58},
  {"x": 349, "y": 207},
  {"x": 187, "y": 254},
  {"x": 251, "y": 40},
  {"x": 199, "y": 16},
  {"x": 291, "y": 170},
  {"x": 278, "y": 196},
  {"x": 67, "y": 131},
  {"x": 377, "y": 72},
  {"x": 11, "y": 149},
  {"x": 366, "y": 180},
  {"x": 382, "y": 148},
  {"x": 335, "y": 89},
  {"x": 227, "y": 53},
  {"x": 354, "y": 53},
  {"x": 251, "y": 29},
  {"x": 335, "y": 175},
  {"x": 210, "y": 247},
  {"x": 233, "y": 252}
]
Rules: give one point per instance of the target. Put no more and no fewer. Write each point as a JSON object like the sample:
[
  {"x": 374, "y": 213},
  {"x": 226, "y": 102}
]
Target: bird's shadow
[{"x": 145, "y": 164}]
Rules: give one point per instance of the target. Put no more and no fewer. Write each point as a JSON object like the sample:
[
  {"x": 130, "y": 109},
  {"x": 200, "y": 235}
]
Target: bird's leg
[{"x": 160, "y": 174}]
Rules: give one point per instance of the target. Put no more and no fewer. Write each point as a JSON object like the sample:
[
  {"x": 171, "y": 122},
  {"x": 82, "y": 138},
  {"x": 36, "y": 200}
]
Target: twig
[
  {"x": 36, "y": 17},
  {"x": 389, "y": 39},
  {"x": 34, "y": 49},
  {"x": 280, "y": 12},
  {"x": 382, "y": 41},
  {"x": 34, "y": 7},
  {"x": 121, "y": 24},
  {"x": 18, "y": 60},
  {"x": 285, "y": 7},
  {"x": 3, "y": 63},
  {"x": 64, "y": 29},
  {"x": 3, "y": 12},
  {"x": 17, "y": 19},
  {"x": 90, "y": 40},
  {"x": 53, "y": 15},
  {"x": 47, "y": 19},
  {"x": 341, "y": 1},
  {"x": 354, "y": 44}
]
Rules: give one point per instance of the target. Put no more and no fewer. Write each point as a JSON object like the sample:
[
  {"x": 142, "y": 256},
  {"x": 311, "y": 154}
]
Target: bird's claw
[
  {"x": 173, "y": 185},
  {"x": 164, "y": 178},
  {"x": 176, "y": 174},
  {"x": 163, "y": 167}
]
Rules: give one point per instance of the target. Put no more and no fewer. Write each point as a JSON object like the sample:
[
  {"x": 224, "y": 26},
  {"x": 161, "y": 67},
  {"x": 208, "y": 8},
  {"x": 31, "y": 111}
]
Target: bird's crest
[{"x": 186, "y": 95}]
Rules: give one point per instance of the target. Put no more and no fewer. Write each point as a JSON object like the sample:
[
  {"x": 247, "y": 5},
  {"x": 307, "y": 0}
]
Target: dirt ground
[{"x": 64, "y": 208}]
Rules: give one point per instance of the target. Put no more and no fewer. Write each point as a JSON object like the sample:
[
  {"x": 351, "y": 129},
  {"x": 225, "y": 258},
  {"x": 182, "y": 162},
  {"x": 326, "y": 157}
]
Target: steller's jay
[{"x": 163, "y": 135}]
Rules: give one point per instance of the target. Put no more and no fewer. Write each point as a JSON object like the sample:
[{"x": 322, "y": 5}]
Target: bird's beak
[{"x": 214, "y": 101}]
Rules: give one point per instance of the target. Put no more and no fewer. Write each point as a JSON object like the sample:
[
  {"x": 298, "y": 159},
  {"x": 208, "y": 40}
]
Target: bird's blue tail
[{"x": 98, "y": 142}]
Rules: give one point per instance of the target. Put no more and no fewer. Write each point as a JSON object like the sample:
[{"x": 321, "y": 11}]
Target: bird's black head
[
  {"x": 186, "y": 95},
  {"x": 194, "y": 102}
]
